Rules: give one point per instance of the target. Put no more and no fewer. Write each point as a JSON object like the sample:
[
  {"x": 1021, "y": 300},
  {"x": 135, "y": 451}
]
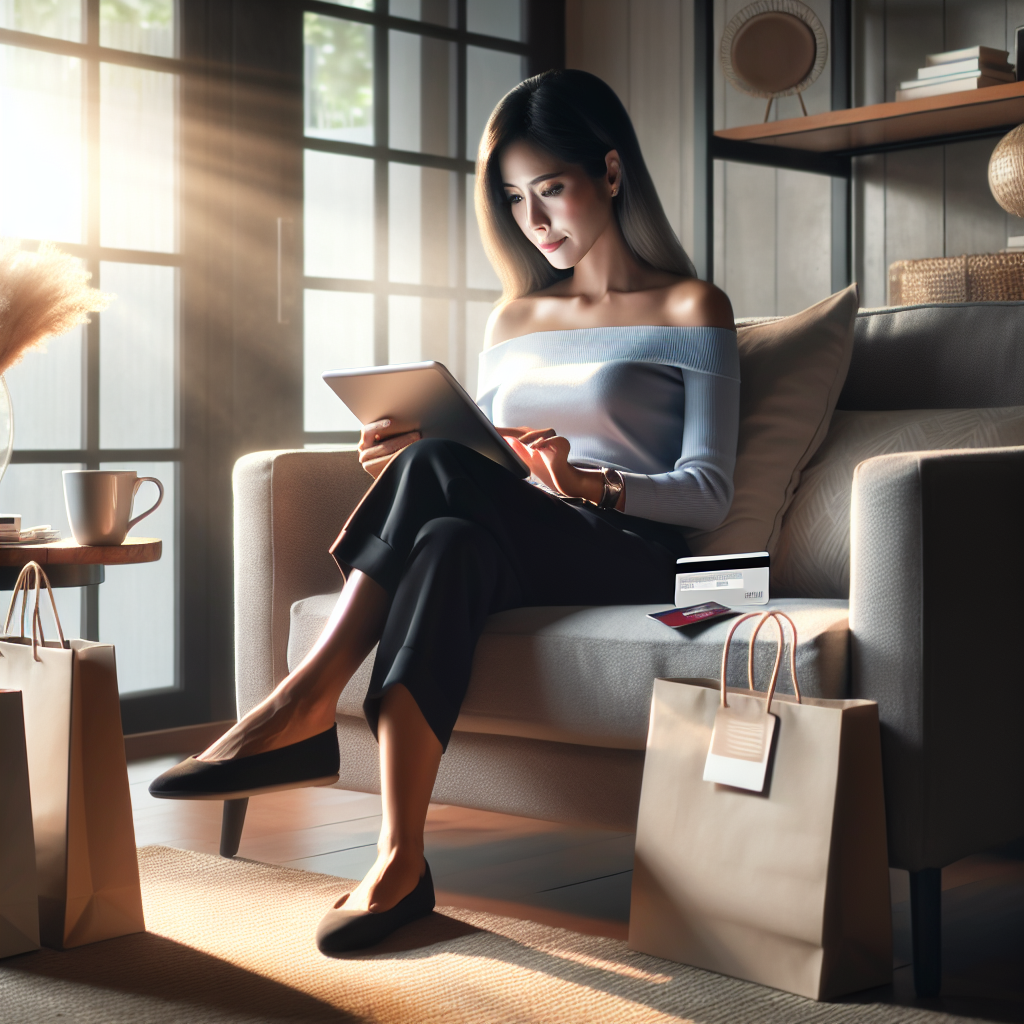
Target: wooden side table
[{"x": 69, "y": 564}]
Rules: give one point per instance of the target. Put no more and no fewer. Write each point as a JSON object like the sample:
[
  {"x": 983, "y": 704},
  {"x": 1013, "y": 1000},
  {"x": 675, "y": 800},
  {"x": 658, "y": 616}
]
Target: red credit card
[{"x": 676, "y": 617}]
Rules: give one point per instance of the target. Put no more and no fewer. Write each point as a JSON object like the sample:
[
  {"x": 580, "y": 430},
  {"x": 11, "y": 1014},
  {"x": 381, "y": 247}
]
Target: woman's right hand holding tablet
[{"x": 381, "y": 441}]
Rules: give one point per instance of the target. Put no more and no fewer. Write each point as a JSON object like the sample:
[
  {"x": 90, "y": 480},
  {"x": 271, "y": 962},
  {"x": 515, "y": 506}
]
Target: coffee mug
[{"x": 99, "y": 503}]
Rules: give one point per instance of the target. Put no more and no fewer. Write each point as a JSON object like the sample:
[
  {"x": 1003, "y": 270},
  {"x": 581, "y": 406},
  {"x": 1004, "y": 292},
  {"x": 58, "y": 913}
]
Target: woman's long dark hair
[{"x": 576, "y": 117}]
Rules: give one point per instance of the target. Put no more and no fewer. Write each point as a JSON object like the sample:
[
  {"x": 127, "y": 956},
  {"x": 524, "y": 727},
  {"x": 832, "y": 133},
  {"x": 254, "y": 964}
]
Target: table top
[{"x": 66, "y": 552}]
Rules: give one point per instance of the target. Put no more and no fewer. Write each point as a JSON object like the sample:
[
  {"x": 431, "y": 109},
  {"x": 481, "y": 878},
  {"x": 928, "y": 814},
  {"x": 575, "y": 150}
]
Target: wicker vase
[{"x": 1006, "y": 172}]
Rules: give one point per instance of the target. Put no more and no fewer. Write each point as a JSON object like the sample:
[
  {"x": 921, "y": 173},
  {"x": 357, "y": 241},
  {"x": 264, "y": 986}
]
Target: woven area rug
[{"x": 232, "y": 941}]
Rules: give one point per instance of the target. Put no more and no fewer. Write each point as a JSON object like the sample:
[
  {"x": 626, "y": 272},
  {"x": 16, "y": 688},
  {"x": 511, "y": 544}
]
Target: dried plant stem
[{"x": 42, "y": 295}]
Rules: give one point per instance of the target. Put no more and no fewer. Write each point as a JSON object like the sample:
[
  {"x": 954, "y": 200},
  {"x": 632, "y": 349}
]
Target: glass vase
[{"x": 6, "y": 427}]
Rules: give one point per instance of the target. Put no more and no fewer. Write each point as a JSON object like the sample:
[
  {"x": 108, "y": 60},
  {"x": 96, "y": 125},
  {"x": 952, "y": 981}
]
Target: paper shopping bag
[
  {"x": 88, "y": 874},
  {"x": 19, "y": 910},
  {"x": 787, "y": 886}
]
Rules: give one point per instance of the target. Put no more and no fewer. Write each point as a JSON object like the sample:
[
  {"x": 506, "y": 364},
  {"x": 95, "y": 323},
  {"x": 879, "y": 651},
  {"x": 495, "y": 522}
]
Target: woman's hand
[
  {"x": 547, "y": 455},
  {"x": 380, "y": 442}
]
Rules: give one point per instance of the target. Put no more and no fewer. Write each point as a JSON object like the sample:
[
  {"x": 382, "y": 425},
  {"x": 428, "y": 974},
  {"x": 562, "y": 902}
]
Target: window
[
  {"x": 395, "y": 98},
  {"x": 89, "y": 98}
]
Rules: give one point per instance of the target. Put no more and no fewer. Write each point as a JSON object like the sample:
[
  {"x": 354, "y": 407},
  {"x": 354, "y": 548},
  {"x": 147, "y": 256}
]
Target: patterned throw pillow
[{"x": 812, "y": 558}]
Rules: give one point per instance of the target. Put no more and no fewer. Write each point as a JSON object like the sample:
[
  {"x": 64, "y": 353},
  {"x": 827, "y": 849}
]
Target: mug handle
[{"x": 135, "y": 490}]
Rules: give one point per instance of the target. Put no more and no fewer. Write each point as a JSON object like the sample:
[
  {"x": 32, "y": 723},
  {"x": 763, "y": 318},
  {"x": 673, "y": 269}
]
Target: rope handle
[
  {"x": 762, "y": 618},
  {"x": 23, "y": 586}
]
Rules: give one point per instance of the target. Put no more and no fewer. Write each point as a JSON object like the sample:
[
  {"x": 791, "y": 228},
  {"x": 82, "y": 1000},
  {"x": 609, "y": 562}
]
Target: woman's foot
[
  {"x": 292, "y": 713},
  {"x": 393, "y": 876},
  {"x": 345, "y": 928}
]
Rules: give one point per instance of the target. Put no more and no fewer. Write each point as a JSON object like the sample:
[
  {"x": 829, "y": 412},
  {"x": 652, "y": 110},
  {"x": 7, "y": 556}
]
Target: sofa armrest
[
  {"x": 936, "y": 604},
  {"x": 289, "y": 506}
]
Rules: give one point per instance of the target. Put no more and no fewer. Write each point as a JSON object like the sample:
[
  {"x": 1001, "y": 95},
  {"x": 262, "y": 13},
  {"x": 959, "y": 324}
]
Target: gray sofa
[{"x": 555, "y": 721}]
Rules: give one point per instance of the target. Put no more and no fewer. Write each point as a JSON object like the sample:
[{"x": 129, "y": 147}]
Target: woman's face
[{"x": 558, "y": 206}]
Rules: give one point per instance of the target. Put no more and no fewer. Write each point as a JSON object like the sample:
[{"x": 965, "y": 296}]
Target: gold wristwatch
[{"x": 613, "y": 484}]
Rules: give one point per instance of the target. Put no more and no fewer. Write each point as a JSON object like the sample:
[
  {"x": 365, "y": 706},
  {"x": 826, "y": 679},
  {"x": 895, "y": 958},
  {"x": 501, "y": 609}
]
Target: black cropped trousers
[{"x": 453, "y": 537}]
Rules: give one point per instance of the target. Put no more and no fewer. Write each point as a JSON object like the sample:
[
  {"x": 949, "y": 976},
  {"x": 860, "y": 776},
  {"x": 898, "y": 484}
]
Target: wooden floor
[{"x": 580, "y": 878}]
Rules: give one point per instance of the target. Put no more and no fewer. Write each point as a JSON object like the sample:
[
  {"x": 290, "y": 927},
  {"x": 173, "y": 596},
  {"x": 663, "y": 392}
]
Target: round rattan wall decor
[
  {"x": 774, "y": 48},
  {"x": 1006, "y": 172}
]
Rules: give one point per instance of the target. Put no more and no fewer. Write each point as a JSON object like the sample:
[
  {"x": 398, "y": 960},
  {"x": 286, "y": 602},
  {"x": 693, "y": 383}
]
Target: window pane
[
  {"x": 422, "y": 329},
  {"x": 338, "y": 216},
  {"x": 138, "y": 610},
  {"x": 138, "y": 175},
  {"x": 421, "y": 225},
  {"x": 338, "y": 78},
  {"x": 46, "y": 392},
  {"x": 362, "y": 5},
  {"x": 138, "y": 364},
  {"x": 479, "y": 272},
  {"x": 437, "y": 12},
  {"x": 503, "y": 18},
  {"x": 60, "y": 18},
  {"x": 40, "y": 122},
  {"x": 36, "y": 493},
  {"x": 489, "y": 75},
  {"x": 423, "y": 93},
  {"x": 476, "y": 320},
  {"x": 145, "y": 26},
  {"x": 338, "y": 332}
]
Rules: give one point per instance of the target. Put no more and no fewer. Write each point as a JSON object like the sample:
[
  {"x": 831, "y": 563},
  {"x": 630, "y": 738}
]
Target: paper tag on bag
[{"x": 740, "y": 745}]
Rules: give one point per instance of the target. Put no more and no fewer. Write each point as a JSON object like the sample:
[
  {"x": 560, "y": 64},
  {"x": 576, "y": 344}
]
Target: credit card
[{"x": 676, "y": 617}]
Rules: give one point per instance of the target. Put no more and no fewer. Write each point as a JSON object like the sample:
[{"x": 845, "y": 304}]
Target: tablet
[{"x": 427, "y": 394}]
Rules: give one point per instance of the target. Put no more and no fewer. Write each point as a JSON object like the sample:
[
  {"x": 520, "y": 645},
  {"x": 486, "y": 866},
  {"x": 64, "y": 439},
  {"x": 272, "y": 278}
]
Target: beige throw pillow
[
  {"x": 812, "y": 558},
  {"x": 791, "y": 372}
]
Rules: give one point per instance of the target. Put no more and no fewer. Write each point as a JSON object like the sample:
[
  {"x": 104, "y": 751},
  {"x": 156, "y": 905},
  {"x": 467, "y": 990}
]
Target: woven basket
[{"x": 988, "y": 277}]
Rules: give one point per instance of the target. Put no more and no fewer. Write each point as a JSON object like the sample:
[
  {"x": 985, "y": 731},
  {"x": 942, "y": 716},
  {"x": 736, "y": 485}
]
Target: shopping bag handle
[
  {"x": 762, "y": 617},
  {"x": 22, "y": 586}
]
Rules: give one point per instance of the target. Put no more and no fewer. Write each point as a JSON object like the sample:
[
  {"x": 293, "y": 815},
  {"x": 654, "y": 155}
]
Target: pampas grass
[{"x": 42, "y": 295}]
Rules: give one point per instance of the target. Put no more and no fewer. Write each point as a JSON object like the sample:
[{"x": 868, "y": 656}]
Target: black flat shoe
[
  {"x": 343, "y": 930},
  {"x": 311, "y": 762}
]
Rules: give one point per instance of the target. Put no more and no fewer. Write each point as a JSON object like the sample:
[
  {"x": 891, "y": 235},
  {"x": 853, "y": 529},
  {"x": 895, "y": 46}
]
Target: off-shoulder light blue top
[{"x": 659, "y": 404}]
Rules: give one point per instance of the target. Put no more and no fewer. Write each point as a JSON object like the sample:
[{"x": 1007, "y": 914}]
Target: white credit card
[{"x": 732, "y": 580}]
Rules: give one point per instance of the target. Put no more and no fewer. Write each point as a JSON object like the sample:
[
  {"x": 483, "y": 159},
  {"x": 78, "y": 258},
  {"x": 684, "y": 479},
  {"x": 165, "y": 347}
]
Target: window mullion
[
  {"x": 460, "y": 194},
  {"x": 381, "y": 131}
]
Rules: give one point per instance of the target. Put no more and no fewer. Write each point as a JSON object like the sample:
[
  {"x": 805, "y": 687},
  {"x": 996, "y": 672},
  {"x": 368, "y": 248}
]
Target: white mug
[{"x": 99, "y": 503}]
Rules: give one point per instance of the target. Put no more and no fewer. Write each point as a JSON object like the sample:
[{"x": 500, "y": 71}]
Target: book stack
[
  {"x": 12, "y": 533},
  {"x": 958, "y": 71},
  {"x": 10, "y": 528}
]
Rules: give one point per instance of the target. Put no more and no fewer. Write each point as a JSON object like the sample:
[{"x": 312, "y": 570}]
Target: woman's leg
[
  {"x": 410, "y": 754},
  {"x": 303, "y": 704}
]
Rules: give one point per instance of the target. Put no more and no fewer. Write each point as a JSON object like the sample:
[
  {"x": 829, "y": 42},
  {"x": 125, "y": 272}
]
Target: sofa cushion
[
  {"x": 813, "y": 553},
  {"x": 955, "y": 355},
  {"x": 792, "y": 370},
  {"x": 585, "y": 675}
]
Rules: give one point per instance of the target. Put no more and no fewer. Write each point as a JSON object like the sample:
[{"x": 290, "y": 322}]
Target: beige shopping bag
[
  {"x": 19, "y": 910},
  {"x": 787, "y": 887},
  {"x": 81, "y": 808}
]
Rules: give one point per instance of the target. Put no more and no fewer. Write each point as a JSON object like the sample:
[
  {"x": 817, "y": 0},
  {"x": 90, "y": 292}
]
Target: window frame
[
  {"x": 382, "y": 154},
  {"x": 152, "y": 708}
]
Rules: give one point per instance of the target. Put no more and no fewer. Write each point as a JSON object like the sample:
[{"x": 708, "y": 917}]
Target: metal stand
[
  {"x": 926, "y": 929},
  {"x": 231, "y": 826}
]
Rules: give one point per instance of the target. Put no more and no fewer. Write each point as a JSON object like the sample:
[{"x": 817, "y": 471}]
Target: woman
[{"x": 613, "y": 373}]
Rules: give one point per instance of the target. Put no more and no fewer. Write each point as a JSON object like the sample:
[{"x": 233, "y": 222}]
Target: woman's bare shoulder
[
  {"x": 511, "y": 320},
  {"x": 695, "y": 303}
]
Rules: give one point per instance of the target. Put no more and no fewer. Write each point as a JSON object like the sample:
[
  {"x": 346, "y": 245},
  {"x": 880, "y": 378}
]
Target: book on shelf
[
  {"x": 942, "y": 88},
  {"x": 918, "y": 83},
  {"x": 958, "y": 67},
  {"x": 983, "y": 53}
]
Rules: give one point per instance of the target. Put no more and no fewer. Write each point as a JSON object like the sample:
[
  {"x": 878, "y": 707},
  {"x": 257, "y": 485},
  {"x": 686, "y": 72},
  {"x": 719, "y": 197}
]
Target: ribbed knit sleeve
[{"x": 660, "y": 404}]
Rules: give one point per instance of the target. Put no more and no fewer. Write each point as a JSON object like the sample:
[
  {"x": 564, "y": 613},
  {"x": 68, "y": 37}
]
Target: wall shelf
[
  {"x": 884, "y": 126},
  {"x": 827, "y": 143}
]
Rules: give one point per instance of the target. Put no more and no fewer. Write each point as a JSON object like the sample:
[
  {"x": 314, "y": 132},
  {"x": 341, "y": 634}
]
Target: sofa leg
[
  {"x": 231, "y": 826},
  {"x": 926, "y": 929}
]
